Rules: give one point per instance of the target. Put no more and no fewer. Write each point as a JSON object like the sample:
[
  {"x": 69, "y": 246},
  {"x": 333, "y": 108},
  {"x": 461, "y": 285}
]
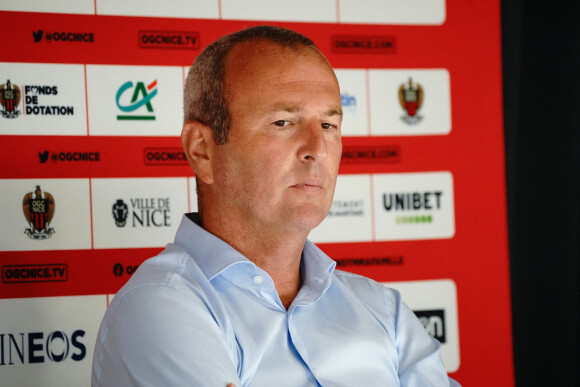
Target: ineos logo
[{"x": 36, "y": 347}]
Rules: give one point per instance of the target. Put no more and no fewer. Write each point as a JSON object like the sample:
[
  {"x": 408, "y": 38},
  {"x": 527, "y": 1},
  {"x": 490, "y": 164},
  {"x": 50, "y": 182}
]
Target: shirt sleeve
[
  {"x": 160, "y": 336},
  {"x": 419, "y": 354}
]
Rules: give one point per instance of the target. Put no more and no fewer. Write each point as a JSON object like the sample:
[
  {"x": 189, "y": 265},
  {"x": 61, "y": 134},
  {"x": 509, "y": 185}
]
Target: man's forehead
[
  {"x": 263, "y": 45},
  {"x": 264, "y": 66},
  {"x": 246, "y": 55}
]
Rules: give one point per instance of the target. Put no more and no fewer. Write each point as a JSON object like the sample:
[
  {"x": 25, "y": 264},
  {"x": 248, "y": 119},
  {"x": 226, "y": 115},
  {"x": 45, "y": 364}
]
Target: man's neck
[{"x": 276, "y": 252}]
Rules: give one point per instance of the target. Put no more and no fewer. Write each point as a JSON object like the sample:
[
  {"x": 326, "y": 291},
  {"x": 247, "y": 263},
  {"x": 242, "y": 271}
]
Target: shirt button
[{"x": 258, "y": 279}]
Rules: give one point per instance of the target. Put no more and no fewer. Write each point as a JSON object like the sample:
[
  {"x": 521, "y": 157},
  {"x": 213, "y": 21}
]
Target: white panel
[
  {"x": 280, "y": 10},
  {"x": 56, "y": 6},
  {"x": 52, "y": 99},
  {"x": 349, "y": 218},
  {"x": 200, "y": 9},
  {"x": 389, "y": 117},
  {"x": 431, "y": 12},
  {"x": 431, "y": 299},
  {"x": 353, "y": 93},
  {"x": 151, "y": 97},
  {"x": 137, "y": 212},
  {"x": 55, "y": 336},
  {"x": 414, "y": 206},
  {"x": 70, "y": 226}
]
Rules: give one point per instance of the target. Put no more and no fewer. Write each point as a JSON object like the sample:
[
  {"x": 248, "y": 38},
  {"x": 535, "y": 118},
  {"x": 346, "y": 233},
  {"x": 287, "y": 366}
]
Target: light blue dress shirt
[{"x": 201, "y": 314}]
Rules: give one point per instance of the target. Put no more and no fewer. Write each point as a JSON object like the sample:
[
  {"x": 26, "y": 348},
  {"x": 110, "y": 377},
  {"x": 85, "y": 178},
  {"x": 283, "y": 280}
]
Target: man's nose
[{"x": 313, "y": 142}]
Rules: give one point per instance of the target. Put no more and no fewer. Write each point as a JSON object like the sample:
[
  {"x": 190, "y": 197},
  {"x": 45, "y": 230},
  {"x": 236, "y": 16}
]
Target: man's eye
[
  {"x": 282, "y": 123},
  {"x": 327, "y": 126}
]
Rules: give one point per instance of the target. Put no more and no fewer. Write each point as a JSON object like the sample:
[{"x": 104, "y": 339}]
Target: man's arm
[
  {"x": 419, "y": 354},
  {"x": 159, "y": 336}
]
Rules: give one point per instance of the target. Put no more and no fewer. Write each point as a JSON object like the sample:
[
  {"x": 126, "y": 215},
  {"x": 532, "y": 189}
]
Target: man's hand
[{"x": 231, "y": 385}]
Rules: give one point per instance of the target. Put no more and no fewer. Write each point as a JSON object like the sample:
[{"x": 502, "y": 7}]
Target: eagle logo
[
  {"x": 411, "y": 100},
  {"x": 38, "y": 211},
  {"x": 9, "y": 99}
]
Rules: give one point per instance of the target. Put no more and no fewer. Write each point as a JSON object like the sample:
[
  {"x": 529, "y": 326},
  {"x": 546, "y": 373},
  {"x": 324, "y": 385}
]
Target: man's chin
[{"x": 306, "y": 219}]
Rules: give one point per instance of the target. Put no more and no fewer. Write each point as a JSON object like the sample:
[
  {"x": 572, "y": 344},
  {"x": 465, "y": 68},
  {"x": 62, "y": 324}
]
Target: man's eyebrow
[
  {"x": 285, "y": 108},
  {"x": 334, "y": 112}
]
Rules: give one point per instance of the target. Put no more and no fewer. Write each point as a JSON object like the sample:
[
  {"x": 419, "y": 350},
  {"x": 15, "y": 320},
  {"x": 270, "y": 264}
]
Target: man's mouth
[{"x": 309, "y": 185}]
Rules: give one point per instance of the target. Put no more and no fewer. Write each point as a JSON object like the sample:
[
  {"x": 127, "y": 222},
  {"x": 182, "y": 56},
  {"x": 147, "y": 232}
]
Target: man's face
[{"x": 278, "y": 170}]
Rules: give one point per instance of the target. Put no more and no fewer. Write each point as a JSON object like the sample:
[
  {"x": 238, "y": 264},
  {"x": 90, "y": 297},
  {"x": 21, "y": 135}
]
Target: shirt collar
[
  {"x": 214, "y": 256},
  {"x": 211, "y": 254},
  {"x": 317, "y": 269}
]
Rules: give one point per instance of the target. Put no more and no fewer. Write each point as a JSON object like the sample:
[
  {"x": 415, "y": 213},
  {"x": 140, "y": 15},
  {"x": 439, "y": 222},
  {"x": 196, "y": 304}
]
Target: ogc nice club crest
[
  {"x": 38, "y": 211},
  {"x": 9, "y": 99},
  {"x": 411, "y": 100}
]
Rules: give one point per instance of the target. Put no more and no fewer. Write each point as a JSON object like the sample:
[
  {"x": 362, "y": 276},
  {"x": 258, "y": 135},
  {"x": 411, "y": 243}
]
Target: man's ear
[{"x": 199, "y": 144}]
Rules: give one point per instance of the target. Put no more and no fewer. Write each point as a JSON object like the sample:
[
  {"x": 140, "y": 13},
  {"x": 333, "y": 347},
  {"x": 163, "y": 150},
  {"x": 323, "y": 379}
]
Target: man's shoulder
[
  {"x": 159, "y": 323},
  {"x": 170, "y": 275},
  {"x": 159, "y": 270},
  {"x": 353, "y": 279},
  {"x": 367, "y": 289},
  {"x": 168, "y": 291}
]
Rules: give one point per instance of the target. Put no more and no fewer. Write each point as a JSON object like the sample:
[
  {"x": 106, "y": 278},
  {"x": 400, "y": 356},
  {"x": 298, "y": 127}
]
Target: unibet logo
[
  {"x": 414, "y": 206},
  {"x": 140, "y": 101},
  {"x": 35, "y": 347},
  {"x": 412, "y": 201}
]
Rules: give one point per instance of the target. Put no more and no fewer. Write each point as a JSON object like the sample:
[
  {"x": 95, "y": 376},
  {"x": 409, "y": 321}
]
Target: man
[{"x": 242, "y": 296}]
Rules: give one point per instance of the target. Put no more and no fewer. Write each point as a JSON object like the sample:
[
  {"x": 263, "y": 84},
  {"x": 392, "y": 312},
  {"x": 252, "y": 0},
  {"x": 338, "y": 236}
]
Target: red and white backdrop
[{"x": 93, "y": 180}]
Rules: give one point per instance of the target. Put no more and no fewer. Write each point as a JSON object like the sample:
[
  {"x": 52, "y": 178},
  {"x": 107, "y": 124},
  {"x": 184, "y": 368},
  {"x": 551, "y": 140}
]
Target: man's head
[
  {"x": 268, "y": 156},
  {"x": 204, "y": 96}
]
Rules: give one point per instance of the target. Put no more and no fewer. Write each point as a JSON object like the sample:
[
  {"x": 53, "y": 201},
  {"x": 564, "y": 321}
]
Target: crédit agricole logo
[{"x": 134, "y": 100}]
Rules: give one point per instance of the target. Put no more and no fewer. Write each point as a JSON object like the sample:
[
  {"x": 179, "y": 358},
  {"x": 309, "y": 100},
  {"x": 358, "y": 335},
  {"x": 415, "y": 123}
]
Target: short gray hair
[{"x": 204, "y": 98}]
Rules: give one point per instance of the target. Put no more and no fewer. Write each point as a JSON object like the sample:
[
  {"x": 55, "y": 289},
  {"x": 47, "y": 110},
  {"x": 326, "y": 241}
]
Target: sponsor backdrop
[{"x": 93, "y": 179}]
